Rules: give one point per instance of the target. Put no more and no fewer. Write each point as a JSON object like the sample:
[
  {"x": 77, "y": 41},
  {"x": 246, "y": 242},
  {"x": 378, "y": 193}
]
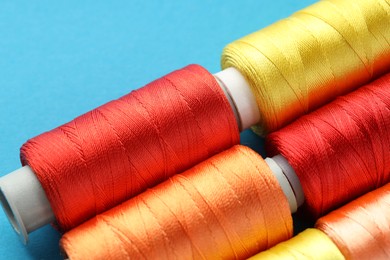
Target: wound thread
[
  {"x": 309, "y": 244},
  {"x": 341, "y": 151},
  {"x": 227, "y": 207},
  {"x": 118, "y": 150},
  {"x": 361, "y": 229},
  {"x": 306, "y": 60}
]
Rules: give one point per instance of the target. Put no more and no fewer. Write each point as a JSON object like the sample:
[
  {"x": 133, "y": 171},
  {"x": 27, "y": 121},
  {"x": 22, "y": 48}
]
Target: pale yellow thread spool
[{"x": 310, "y": 244}]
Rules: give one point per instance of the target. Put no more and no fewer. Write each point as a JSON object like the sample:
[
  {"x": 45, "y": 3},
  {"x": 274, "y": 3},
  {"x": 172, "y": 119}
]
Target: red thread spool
[
  {"x": 340, "y": 151},
  {"x": 118, "y": 150},
  {"x": 361, "y": 229}
]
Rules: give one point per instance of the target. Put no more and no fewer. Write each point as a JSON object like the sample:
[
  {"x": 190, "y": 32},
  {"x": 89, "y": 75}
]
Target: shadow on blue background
[{"x": 60, "y": 59}]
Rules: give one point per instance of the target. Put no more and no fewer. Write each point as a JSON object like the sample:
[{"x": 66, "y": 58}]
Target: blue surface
[{"x": 59, "y": 59}]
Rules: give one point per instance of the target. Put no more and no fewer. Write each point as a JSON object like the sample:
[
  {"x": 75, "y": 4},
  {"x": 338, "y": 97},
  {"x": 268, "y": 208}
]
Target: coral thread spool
[
  {"x": 357, "y": 230},
  {"x": 361, "y": 228}
]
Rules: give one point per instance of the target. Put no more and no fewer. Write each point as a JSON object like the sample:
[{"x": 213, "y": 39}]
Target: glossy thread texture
[
  {"x": 341, "y": 151},
  {"x": 306, "y": 60},
  {"x": 120, "y": 149},
  {"x": 361, "y": 229},
  {"x": 227, "y": 207},
  {"x": 309, "y": 244}
]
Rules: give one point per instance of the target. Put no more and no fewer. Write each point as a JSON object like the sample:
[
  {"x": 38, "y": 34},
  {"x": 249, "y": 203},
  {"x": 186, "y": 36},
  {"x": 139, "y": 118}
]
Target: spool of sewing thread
[
  {"x": 341, "y": 151},
  {"x": 227, "y": 207},
  {"x": 118, "y": 150},
  {"x": 361, "y": 229},
  {"x": 304, "y": 61},
  {"x": 309, "y": 244}
]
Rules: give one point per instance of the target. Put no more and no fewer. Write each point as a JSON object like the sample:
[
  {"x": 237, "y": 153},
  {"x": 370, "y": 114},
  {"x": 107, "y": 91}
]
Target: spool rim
[{"x": 13, "y": 217}]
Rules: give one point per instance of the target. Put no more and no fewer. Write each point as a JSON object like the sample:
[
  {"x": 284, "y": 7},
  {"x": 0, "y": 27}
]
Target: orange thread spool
[
  {"x": 229, "y": 206},
  {"x": 361, "y": 229}
]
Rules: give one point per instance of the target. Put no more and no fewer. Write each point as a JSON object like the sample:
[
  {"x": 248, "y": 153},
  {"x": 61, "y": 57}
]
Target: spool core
[
  {"x": 240, "y": 96},
  {"x": 8, "y": 209},
  {"x": 24, "y": 202}
]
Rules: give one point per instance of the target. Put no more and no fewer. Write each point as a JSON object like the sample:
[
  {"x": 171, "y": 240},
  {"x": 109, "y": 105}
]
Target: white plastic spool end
[
  {"x": 240, "y": 97},
  {"x": 25, "y": 202},
  {"x": 292, "y": 178},
  {"x": 284, "y": 184}
]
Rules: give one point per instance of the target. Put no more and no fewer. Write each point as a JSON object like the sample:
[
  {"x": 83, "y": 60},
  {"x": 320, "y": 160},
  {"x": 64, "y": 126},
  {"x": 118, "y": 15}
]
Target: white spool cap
[
  {"x": 25, "y": 202},
  {"x": 240, "y": 97},
  {"x": 284, "y": 184},
  {"x": 292, "y": 178}
]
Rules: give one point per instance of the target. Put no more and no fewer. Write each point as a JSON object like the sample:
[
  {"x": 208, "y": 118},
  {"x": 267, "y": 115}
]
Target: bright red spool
[
  {"x": 118, "y": 150},
  {"x": 342, "y": 150}
]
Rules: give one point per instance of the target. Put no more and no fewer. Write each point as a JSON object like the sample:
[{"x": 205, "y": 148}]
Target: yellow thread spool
[
  {"x": 310, "y": 244},
  {"x": 306, "y": 60}
]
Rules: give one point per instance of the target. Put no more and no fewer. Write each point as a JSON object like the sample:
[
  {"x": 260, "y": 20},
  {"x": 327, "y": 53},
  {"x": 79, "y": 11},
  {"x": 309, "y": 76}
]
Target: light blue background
[{"x": 59, "y": 59}]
